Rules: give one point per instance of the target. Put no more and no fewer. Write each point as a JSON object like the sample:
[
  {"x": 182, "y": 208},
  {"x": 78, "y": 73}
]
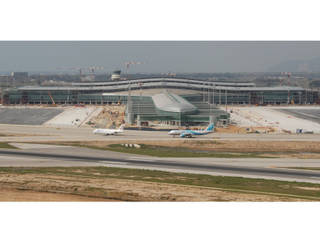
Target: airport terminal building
[{"x": 198, "y": 101}]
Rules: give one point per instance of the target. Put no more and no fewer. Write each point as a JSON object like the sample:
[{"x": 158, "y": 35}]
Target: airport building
[
  {"x": 116, "y": 75},
  {"x": 198, "y": 101}
]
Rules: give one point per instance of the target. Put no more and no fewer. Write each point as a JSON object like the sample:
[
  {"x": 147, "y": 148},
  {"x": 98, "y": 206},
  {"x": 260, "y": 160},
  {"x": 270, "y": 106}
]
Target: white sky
[{"x": 157, "y": 56}]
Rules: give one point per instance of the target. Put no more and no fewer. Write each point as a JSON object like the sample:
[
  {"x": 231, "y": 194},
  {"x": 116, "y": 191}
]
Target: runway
[{"x": 66, "y": 156}]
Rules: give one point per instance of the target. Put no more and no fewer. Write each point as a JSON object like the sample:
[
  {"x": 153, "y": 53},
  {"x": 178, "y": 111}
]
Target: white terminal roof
[
  {"x": 170, "y": 102},
  {"x": 181, "y": 80},
  {"x": 180, "y": 85}
]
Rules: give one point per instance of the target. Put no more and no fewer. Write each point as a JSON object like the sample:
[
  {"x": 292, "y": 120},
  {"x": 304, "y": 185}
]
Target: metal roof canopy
[
  {"x": 170, "y": 102},
  {"x": 182, "y": 80},
  {"x": 157, "y": 85}
]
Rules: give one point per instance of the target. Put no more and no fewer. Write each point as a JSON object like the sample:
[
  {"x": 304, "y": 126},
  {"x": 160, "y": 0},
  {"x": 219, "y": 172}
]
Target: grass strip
[
  {"x": 163, "y": 151},
  {"x": 6, "y": 145}
]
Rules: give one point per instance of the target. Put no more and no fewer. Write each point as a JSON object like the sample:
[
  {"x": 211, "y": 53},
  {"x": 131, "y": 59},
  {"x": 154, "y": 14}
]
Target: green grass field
[
  {"x": 161, "y": 151},
  {"x": 6, "y": 145}
]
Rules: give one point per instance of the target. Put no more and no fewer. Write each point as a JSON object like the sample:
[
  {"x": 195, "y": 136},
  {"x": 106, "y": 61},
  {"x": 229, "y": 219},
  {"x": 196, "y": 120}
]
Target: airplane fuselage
[
  {"x": 190, "y": 133},
  {"x": 106, "y": 131}
]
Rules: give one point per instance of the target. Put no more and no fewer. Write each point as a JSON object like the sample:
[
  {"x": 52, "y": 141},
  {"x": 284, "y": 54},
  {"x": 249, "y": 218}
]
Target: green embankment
[
  {"x": 6, "y": 145},
  {"x": 162, "y": 151}
]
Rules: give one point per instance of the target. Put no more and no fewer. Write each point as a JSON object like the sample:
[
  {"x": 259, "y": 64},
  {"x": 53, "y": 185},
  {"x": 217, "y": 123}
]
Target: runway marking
[
  {"x": 113, "y": 163},
  {"x": 13, "y": 158},
  {"x": 142, "y": 159},
  {"x": 35, "y": 146}
]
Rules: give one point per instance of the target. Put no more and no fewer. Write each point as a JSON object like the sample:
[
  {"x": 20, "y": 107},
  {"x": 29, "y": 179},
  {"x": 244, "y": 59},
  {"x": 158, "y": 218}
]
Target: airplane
[
  {"x": 106, "y": 131},
  {"x": 190, "y": 133}
]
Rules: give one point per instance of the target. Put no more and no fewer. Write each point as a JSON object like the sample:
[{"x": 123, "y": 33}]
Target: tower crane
[
  {"x": 288, "y": 74},
  {"x": 128, "y": 64},
  {"x": 90, "y": 69}
]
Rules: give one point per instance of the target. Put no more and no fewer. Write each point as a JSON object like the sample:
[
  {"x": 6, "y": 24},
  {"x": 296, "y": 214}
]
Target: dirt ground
[
  {"x": 110, "y": 116},
  {"x": 242, "y": 130},
  {"x": 16, "y": 195},
  {"x": 46, "y": 187}
]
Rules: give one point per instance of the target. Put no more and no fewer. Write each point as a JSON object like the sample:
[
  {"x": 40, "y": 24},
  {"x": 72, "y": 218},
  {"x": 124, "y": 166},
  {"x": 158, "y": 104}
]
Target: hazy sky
[{"x": 178, "y": 56}]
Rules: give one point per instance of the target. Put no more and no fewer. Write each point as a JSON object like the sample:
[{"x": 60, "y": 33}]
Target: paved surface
[
  {"x": 49, "y": 133},
  {"x": 308, "y": 114},
  {"x": 74, "y": 156},
  {"x": 29, "y": 116},
  {"x": 74, "y": 116},
  {"x": 280, "y": 118}
]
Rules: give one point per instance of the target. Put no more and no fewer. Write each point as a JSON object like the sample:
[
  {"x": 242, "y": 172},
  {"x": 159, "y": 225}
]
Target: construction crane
[
  {"x": 53, "y": 102},
  {"x": 128, "y": 64},
  {"x": 132, "y": 63},
  {"x": 90, "y": 69},
  {"x": 288, "y": 74}
]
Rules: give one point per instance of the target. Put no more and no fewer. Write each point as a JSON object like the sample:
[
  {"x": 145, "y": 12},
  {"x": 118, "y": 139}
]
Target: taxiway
[{"x": 33, "y": 155}]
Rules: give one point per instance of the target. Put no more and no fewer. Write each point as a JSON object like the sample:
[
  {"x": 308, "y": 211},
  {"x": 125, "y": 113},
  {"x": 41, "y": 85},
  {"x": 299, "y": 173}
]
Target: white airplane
[
  {"x": 190, "y": 133},
  {"x": 108, "y": 131}
]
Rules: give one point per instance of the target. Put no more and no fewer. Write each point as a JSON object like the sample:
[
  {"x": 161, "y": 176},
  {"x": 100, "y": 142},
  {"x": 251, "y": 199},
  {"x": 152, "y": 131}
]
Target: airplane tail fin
[{"x": 210, "y": 127}]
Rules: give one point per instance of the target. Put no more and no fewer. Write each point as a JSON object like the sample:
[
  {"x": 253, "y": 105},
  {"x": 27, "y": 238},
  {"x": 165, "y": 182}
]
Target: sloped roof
[{"x": 171, "y": 102}]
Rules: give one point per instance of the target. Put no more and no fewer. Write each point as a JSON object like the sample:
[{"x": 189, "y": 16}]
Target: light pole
[
  {"x": 139, "y": 110},
  {"x": 208, "y": 93},
  {"x": 226, "y": 98}
]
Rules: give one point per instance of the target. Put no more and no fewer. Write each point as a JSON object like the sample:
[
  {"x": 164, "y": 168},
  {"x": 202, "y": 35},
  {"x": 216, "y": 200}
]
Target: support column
[
  {"x": 203, "y": 93},
  {"x": 138, "y": 121},
  {"x": 208, "y": 93}
]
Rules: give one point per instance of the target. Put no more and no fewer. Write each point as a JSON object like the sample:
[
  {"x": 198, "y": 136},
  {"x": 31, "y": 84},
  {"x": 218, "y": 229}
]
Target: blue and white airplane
[{"x": 190, "y": 133}]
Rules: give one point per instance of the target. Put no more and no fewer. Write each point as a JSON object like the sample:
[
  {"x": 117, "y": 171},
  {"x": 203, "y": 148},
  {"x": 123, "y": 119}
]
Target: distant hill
[{"x": 312, "y": 65}]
